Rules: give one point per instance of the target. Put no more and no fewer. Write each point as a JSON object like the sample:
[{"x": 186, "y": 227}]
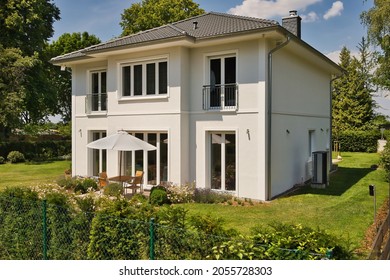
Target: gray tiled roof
[{"x": 208, "y": 25}]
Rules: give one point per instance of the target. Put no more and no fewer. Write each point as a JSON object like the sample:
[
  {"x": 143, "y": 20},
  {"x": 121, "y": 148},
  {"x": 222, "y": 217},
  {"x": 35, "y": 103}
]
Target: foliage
[
  {"x": 61, "y": 80},
  {"x": 181, "y": 193},
  {"x": 352, "y": 107},
  {"x": 27, "y": 24},
  {"x": 153, "y": 13},
  {"x": 39, "y": 150},
  {"x": 85, "y": 185},
  {"x": 377, "y": 19},
  {"x": 15, "y": 157},
  {"x": 13, "y": 74},
  {"x": 120, "y": 232},
  {"x": 113, "y": 189},
  {"x": 210, "y": 196},
  {"x": 283, "y": 242},
  {"x": 20, "y": 224},
  {"x": 78, "y": 185},
  {"x": 2, "y": 160},
  {"x": 359, "y": 141},
  {"x": 385, "y": 160},
  {"x": 159, "y": 196}
]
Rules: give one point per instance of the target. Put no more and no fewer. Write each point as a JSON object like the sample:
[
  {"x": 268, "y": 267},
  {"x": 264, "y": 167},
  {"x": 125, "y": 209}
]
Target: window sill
[
  {"x": 124, "y": 99},
  {"x": 97, "y": 114}
]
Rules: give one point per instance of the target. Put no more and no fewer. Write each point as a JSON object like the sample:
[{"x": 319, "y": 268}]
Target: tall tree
[
  {"x": 27, "y": 24},
  {"x": 377, "y": 20},
  {"x": 153, "y": 13},
  {"x": 353, "y": 105},
  {"x": 60, "y": 80},
  {"x": 13, "y": 69}
]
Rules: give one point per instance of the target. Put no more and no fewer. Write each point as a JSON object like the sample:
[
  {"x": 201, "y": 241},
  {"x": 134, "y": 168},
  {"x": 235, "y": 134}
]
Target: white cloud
[
  {"x": 335, "y": 55},
  {"x": 310, "y": 17},
  {"x": 270, "y": 8},
  {"x": 335, "y": 10}
]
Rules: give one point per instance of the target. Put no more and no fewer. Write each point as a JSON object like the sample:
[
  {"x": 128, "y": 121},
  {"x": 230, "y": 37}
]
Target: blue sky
[{"x": 327, "y": 25}]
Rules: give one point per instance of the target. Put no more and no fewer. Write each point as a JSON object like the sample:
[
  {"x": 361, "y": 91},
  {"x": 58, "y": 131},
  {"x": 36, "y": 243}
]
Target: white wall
[{"x": 300, "y": 98}]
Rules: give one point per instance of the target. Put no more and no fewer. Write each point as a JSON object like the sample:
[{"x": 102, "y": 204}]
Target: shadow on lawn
[{"x": 340, "y": 181}]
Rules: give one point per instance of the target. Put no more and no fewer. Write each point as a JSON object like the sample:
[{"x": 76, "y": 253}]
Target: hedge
[
  {"x": 37, "y": 150},
  {"x": 359, "y": 141}
]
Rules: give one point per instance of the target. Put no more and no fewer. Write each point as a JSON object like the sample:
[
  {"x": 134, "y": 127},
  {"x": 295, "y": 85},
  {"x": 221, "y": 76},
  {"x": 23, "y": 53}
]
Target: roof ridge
[{"x": 245, "y": 17}]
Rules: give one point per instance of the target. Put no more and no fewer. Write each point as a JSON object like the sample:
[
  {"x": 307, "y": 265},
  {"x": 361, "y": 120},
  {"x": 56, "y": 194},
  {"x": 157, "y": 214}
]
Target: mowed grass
[
  {"x": 30, "y": 174},
  {"x": 344, "y": 209}
]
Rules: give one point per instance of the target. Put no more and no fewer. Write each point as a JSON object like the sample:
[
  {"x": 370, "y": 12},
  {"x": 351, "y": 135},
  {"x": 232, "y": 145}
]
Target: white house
[{"x": 234, "y": 103}]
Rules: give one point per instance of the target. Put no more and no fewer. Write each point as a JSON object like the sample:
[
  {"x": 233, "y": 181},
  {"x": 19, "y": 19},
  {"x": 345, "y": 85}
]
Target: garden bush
[
  {"x": 15, "y": 157},
  {"x": 284, "y": 242},
  {"x": 113, "y": 189},
  {"x": 159, "y": 196},
  {"x": 209, "y": 196},
  {"x": 39, "y": 150},
  {"x": 2, "y": 160},
  {"x": 181, "y": 193},
  {"x": 359, "y": 141}
]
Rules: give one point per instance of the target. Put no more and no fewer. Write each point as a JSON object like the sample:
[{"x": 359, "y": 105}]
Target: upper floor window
[
  {"x": 145, "y": 78},
  {"x": 221, "y": 92},
  {"x": 96, "y": 100}
]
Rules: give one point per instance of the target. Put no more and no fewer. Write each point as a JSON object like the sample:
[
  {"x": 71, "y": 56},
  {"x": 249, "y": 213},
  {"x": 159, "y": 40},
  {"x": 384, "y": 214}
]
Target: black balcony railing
[
  {"x": 220, "y": 97},
  {"x": 96, "y": 103}
]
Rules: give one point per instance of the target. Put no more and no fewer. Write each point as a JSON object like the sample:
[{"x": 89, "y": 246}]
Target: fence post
[
  {"x": 151, "y": 241},
  {"x": 44, "y": 231}
]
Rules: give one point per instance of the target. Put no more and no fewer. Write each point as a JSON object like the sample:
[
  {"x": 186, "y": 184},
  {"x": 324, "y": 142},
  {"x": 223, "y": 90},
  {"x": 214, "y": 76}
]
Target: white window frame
[
  {"x": 208, "y": 134},
  {"x": 90, "y": 72},
  {"x": 144, "y": 62},
  {"x": 218, "y": 55}
]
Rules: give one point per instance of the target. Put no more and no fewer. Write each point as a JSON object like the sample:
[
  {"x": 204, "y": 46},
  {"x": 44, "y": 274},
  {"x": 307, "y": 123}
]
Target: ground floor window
[
  {"x": 99, "y": 157},
  {"x": 153, "y": 163},
  {"x": 222, "y": 161}
]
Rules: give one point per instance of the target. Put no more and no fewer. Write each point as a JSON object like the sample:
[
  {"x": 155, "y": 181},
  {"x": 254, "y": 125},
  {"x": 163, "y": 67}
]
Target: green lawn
[
  {"x": 344, "y": 209},
  {"x": 30, "y": 174}
]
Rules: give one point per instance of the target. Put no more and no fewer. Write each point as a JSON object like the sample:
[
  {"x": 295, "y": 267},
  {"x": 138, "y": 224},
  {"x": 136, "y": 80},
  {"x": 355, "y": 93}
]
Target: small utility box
[{"x": 320, "y": 169}]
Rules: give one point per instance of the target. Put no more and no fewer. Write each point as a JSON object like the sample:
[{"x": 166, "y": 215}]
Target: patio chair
[
  {"x": 103, "y": 179},
  {"x": 135, "y": 182}
]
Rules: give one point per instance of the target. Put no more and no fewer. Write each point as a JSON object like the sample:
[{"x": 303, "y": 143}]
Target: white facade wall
[{"x": 300, "y": 104}]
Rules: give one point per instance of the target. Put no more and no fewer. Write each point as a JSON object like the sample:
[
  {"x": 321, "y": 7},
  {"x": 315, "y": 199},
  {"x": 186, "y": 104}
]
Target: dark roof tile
[{"x": 208, "y": 25}]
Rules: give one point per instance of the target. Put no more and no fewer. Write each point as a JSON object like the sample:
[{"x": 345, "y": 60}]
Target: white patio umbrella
[{"x": 121, "y": 141}]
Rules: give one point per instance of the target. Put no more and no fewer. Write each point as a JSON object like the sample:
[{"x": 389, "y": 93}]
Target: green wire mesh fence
[{"x": 33, "y": 228}]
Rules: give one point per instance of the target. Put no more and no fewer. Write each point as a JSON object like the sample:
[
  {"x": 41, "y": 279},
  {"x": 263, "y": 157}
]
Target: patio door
[
  {"x": 153, "y": 163},
  {"x": 222, "y": 161},
  {"x": 99, "y": 157}
]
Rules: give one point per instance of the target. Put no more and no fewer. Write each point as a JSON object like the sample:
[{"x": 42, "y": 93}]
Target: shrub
[
  {"x": 181, "y": 193},
  {"x": 89, "y": 184},
  {"x": 67, "y": 182},
  {"x": 15, "y": 157},
  {"x": 359, "y": 141},
  {"x": 384, "y": 160},
  {"x": 2, "y": 160},
  {"x": 159, "y": 196},
  {"x": 113, "y": 189},
  {"x": 209, "y": 196}
]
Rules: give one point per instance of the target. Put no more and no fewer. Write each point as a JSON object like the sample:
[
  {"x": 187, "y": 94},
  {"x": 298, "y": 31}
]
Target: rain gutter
[{"x": 269, "y": 117}]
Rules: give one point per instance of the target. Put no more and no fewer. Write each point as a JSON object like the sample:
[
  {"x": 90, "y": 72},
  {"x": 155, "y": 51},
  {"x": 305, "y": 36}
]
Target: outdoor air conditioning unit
[{"x": 320, "y": 169}]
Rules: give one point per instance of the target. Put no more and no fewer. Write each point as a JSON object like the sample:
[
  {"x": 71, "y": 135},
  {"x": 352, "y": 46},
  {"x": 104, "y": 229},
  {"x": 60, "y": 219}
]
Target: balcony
[
  {"x": 220, "y": 97},
  {"x": 96, "y": 103}
]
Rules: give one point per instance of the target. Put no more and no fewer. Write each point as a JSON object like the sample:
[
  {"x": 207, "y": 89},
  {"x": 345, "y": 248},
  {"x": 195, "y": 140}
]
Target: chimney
[{"x": 293, "y": 23}]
